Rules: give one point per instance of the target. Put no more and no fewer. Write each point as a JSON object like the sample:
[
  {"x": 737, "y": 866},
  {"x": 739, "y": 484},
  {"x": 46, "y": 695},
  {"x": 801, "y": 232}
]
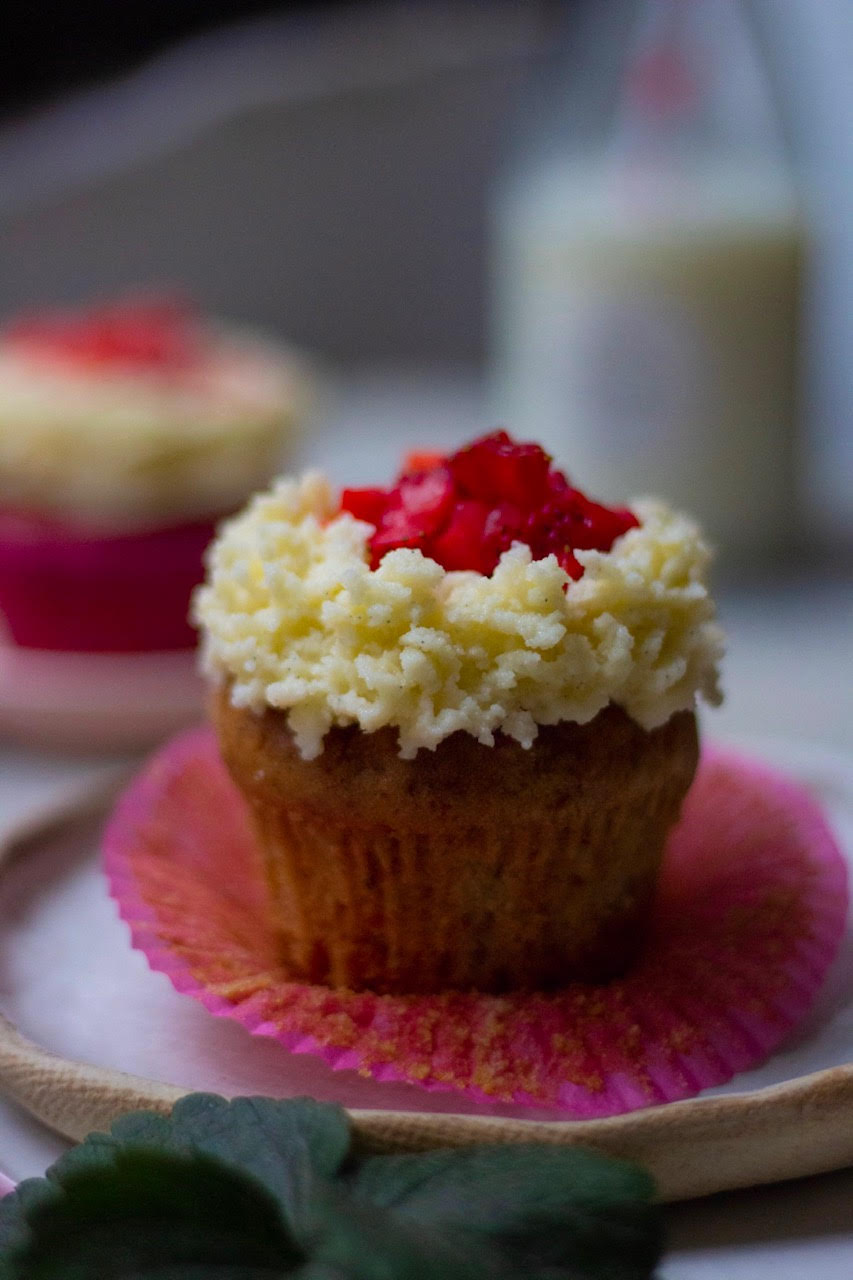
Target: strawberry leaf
[
  {"x": 151, "y": 1215},
  {"x": 256, "y": 1189},
  {"x": 284, "y": 1144},
  {"x": 357, "y": 1240},
  {"x": 555, "y": 1211}
]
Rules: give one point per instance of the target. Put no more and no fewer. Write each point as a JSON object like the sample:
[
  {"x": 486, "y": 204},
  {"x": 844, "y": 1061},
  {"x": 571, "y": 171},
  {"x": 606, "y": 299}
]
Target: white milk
[{"x": 646, "y": 332}]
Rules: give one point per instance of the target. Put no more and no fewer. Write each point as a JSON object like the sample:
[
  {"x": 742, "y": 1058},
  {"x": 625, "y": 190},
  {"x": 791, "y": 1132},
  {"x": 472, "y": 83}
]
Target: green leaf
[
  {"x": 551, "y": 1210},
  {"x": 255, "y": 1189},
  {"x": 266, "y": 1137},
  {"x": 152, "y": 1216},
  {"x": 361, "y": 1241},
  {"x": 285, "y": 1144},
  {"x": 14, "y": 1211}
]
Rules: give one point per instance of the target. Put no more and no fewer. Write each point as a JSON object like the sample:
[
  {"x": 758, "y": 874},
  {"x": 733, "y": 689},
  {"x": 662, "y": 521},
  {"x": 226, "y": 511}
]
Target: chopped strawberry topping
[
  {"x": 569, "y": 563},
  {"x": 462, "y": 545},
  {"x": 505, "y": 524},
  {"x": 497, "y": 469},
  {"x": 422, "y": 460},
  {"x": 394, "y": 530},
  {"x": 365, "y": 504},
  {"x": 415, "y": 510},
  {"x": 465, "y": 510},
  {"x": 427, "y": 497},
  {"x": 157, "y": 334}
]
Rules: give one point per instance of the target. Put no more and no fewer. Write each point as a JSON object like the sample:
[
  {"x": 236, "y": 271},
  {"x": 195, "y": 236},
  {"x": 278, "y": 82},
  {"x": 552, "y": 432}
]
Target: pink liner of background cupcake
[{"x": 750, "y": 914}]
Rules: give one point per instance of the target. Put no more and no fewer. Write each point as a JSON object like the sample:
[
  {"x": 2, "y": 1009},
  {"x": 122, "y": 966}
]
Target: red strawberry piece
[
  {"x": 365, "y": 504},
  {"x": 157, "y": 334},
  {"x": 596, "y": 526},
  {"x": 469, "y": 508},
  {"x": 471, "y": 466},
  {"x": 496, "y": 469},
  {"x": 572, "y": 566},
  {"x": 627, "y": 520},
  {"x": 557, "y": 483},
  {"x": 548, "y": 529},
  {"x": 415, "y": 508},
  {"x": 422, "y": 460},
  {"x": 427, "y": 497},
  {"x": 396, "y": 529},
  {"x": 460, "y": 545},
  {"x": 505, "y": 524}
]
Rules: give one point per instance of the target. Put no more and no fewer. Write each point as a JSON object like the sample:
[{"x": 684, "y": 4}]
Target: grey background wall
[{"x": 329, "y": 179}]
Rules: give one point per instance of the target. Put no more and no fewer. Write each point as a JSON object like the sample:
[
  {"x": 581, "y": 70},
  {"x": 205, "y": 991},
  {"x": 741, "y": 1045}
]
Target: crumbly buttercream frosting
[
  {"x": 129, "y": 446},
  {"x": 294, "y": 617}
]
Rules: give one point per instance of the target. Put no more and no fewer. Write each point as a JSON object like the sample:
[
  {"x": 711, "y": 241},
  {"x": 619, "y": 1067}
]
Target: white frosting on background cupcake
[
  {"x": 295, "y": 618},
  {"x": 118, "y": 445}
]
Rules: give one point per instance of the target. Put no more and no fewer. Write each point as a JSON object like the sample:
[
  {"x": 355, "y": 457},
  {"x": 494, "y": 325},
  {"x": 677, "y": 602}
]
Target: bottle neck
[{"x": 695, "y": 83}]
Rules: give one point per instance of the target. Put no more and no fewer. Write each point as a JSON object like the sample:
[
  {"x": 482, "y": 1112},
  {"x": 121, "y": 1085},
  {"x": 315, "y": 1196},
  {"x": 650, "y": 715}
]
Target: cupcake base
[
  {"x": 65, "y": 588},
  {"x": 750, "y": 910},
  {"x": 469, "y": 867}
]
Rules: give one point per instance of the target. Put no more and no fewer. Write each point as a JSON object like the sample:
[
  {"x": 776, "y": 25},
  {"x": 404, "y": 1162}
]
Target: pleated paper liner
[{"x": 751, "y": 911}]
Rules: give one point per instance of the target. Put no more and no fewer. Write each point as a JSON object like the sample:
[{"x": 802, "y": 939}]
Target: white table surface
[{"x": 787, "y": 675}]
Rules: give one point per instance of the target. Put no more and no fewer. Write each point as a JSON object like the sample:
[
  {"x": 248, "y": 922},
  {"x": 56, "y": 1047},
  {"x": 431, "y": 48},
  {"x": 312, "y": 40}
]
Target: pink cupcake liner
[
  {"x": 750, "y": 913},
  {"x": 66, "y": 589}
]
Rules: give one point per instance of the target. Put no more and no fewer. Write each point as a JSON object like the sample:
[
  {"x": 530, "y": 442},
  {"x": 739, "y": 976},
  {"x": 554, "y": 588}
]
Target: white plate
[
  {"x": 96, "y": 702},
  {"x": 72, "y": 985}
]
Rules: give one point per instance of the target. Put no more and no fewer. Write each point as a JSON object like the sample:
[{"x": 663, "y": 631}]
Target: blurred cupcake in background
[{"x": 127, "y": 430}]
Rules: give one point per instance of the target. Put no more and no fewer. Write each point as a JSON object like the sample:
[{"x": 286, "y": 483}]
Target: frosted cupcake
[
  {"x": 462, "y": 713},
  {"x": 125, "y": 431}
]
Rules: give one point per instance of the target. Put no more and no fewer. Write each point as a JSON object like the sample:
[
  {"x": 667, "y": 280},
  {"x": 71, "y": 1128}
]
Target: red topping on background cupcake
[
  {"x": 153, "y": 334},
  {"x": 466, "y": 509}
]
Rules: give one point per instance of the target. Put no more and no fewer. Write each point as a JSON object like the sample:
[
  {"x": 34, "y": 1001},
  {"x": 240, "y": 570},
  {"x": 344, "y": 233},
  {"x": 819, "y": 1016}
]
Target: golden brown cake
[
  {"x": 469, "y": 866},
  {"x": 460, "y": 778}
]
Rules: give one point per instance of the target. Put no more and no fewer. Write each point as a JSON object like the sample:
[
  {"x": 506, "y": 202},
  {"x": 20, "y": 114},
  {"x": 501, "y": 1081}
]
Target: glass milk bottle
[{"x": 647, "y": 261}]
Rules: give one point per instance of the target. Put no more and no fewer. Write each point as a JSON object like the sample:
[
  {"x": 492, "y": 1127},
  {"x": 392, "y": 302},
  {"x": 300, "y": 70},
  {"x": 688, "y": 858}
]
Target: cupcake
[
  {"x": 462, "y": 713},
  {"x": 126, "y": 431}
]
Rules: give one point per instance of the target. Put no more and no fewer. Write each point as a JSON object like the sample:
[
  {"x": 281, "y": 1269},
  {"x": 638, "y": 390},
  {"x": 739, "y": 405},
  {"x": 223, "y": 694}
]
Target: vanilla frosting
[
  {"x": 295, "y": 618},
  {"x": 122, "y": 447}
]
